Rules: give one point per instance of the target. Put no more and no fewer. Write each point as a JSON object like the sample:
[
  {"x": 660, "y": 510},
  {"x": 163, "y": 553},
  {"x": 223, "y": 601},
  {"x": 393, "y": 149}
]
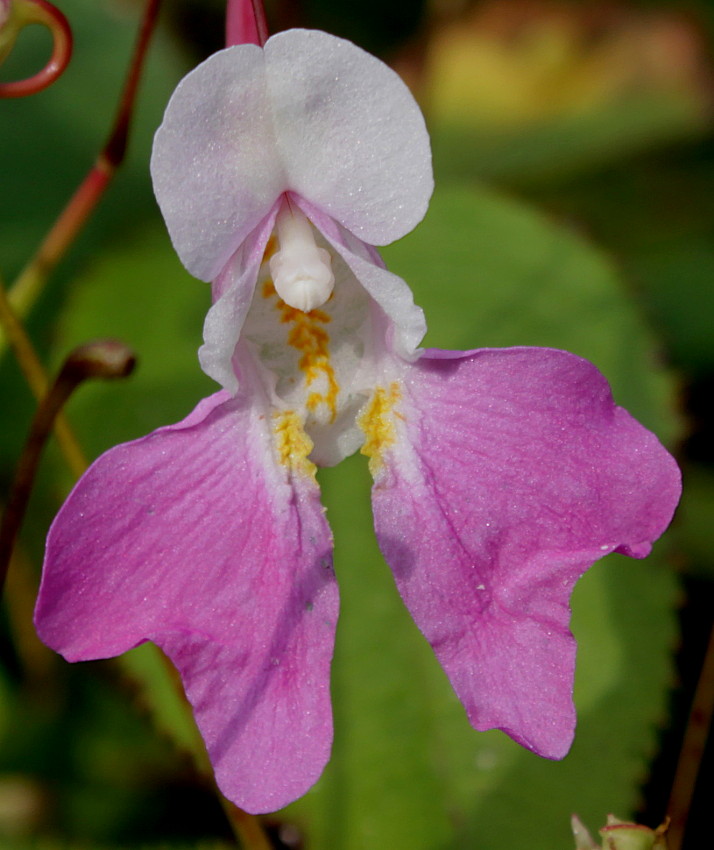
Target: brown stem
[
  {"x": 246, "y": 827},
  {"x": 690, "y": 756},
  {"x": 103, "y": 359}
]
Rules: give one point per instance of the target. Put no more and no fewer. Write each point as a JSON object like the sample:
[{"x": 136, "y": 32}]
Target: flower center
[{"x": 302, "y": 272}]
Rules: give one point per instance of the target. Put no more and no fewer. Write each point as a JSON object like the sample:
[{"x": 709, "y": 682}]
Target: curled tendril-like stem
[
  {"x": 22, "y": 13},
  {"x": 76, "y": 213},
  {"x": 106, "y": 359}
]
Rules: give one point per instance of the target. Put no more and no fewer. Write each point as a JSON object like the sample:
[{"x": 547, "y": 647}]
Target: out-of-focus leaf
[
  {"x": 678, "y": 275},
  {"x": 161, "y": 695},
  {"x": 655, "y": 214},
  {"x": 492, "y": 272},
  {"x": 563, "y": 145},
  {"x": 140, "y": 293},
  {"x": 407, "y": 770},
  {"x": 525, "y": 92}
]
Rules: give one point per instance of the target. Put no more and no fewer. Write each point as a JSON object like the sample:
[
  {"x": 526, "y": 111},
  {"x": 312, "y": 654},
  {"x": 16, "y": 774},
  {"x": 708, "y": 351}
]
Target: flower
[{"x": 500, "y": 475}]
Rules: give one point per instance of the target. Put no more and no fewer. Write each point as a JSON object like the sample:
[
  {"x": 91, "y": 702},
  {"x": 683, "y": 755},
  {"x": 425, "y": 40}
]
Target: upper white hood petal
[{"x": 309, "y": 113}]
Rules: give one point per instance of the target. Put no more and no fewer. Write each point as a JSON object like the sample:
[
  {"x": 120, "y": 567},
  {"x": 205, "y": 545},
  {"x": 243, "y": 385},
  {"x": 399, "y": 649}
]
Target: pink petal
[
  {"x": 512, "y": 472},
  {"x": 196, "y": 539}
]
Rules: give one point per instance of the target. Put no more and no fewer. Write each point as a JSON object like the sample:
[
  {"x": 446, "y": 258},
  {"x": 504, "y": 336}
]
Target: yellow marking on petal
[
  {"x": 293, "y": 444},
  {"x": 377, "y": 422},
  {"x": 313, "y": 342},
  {"x": 270, "y": 248}
]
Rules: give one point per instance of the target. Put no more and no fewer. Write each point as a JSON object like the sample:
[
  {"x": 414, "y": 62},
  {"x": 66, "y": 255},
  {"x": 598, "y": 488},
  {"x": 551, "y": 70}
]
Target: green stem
[{"x": 38, "y": 381}]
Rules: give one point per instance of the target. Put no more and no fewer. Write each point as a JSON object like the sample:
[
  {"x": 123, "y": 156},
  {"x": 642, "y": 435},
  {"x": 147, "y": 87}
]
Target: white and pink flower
[{"x": 500, "y": 475}]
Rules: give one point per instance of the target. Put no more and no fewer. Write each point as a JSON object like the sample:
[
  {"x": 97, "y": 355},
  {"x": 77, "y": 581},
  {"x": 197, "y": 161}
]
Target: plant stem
[
  {"x": 38, "y": 381},
  {"x": 246, "y": 827},
  {"x": 245, "y": 23},
  {"x": 41, "y": 12},
  {"x": 105, "y": 359},
  {"x": 31, "y": 280},
  {"x": 692, "y": 751}
]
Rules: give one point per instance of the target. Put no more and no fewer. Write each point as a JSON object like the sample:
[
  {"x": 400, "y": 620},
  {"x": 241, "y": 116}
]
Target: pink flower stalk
[
  {"x": 500, "y": 476},
  {"x": 245, "y": 22}
]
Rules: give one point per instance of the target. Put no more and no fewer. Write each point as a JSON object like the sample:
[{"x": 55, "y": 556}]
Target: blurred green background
[{"x": 575, "y": 189}]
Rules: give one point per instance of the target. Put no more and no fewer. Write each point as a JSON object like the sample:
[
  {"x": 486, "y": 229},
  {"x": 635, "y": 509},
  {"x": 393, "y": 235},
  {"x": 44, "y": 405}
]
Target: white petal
[
  {"x": 232, "y": 293},
  {"x": 406, "y": 322},
  {"x": 215, "y": 165},
  {"x": 310, "y": 113},
  {"x": 350, "y": 134}
]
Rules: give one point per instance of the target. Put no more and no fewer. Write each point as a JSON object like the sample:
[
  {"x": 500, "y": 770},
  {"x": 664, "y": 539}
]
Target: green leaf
[
  {"x": 407, "y": 769},
  {"x": 141, "y": 294},
  {"x": 561, "y": 146},
  {"x": 677, "y": 274},
  {"x": 694, "y": 520},
  {"x": 161, "y": 694}
]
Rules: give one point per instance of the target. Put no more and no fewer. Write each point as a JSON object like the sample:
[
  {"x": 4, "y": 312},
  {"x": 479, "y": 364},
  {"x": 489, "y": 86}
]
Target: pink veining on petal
[
  {"x": 197, "y": 539},
  {"x": 512, "y": 473}
]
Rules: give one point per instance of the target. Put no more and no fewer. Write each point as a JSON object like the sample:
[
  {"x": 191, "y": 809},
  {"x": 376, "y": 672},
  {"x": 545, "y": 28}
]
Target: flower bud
[{"x": 620, "y": 835}]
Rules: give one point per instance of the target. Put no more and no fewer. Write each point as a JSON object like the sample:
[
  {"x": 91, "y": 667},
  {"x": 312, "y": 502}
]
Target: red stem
[
  {"x": 42, "y": 12},
  {"x": 89, "y": 192}
]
